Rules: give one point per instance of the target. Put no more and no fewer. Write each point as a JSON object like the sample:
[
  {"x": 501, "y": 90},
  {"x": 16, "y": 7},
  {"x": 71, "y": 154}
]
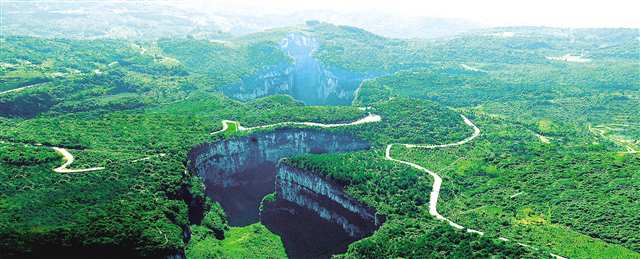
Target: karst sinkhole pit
[{"x": 312, "y": 214}]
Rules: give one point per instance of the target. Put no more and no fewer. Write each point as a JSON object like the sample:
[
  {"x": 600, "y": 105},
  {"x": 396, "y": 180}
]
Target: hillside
[{"x": 502, "y": 142}]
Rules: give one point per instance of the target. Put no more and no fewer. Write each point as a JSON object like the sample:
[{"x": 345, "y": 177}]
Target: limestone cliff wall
[
  {"x": 224, "y": 162},
  {"x": 306, "y": 78},
  {"x": 326, "y": 198},
  {"x": 237, "y": 162}
]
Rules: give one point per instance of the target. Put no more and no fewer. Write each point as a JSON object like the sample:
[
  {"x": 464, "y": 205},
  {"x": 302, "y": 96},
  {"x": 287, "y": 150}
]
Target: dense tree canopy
[{"x": 554, "y": 167}]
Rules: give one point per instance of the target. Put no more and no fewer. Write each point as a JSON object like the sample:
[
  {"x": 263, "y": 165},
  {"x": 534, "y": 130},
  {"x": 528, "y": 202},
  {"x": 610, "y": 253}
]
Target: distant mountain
[
  {"x": 133, "y": 20},
  {"x": 147, "y": 20},
  {"x": 394, "y": 26}
]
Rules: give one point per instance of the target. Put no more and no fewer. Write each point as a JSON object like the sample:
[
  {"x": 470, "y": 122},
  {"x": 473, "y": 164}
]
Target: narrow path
[
  {"x": 474, "y": 69},
  {"x": 225, "y": 126},
  {"x": 437, "y": 180},
  {"x": 148, "y": 157},
  {"x": 370, "y": 118},
  {"x": 602, "y": 133},
  {"x": 433, "y": 201},
  {"x": 367, "y": 119},
  {"x": 69, "y": 160},
  {"x": 68, "y": 157},
  {"x": 543, "y": 139},
  {"x": 20, "y": 88}
]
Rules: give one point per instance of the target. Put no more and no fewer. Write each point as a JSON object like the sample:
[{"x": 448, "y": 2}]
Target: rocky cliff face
[
  {"x": 326, "y": 198},
  {"x": 270, "y": 81},
  {"x": 306, "y": 79},
  {"x": 225, "y": 162},
  {"x": 313, "y": 215},
  {"x": 239, "y": 172}
]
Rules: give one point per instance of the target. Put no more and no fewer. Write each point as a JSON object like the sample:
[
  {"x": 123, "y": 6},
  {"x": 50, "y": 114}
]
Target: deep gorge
[
  {"x": 311, "y": 213},
  {"x": 306, "y": 78}
]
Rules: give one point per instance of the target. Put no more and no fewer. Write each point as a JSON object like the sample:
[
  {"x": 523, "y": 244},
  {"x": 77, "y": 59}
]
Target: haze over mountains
[
  {"x": 146, "y": 20},
  {"x": 196, "y": 129}
]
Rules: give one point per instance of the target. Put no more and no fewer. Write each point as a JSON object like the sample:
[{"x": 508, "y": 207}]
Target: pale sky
[{"x": 557, "y": 13}]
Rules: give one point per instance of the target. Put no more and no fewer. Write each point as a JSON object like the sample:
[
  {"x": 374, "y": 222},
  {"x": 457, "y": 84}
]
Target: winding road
[
  {"x": 370, "y": 118},
  {"x": 69, "y": 160},
  {"x": 20, "y": 88},
  {"x": 602, "y": 133},
  {"x": 225, "y": 126},
  {"x": 437, "y": 180},
  {"x": 433, "y": 200},
  {"x": 68, "y": 157},
  {"x": 367, "y": 119}
]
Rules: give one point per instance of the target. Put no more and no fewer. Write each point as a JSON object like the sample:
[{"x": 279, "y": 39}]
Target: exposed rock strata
[
  {"x": 306, "y": 78},
  {"x": 326, "y": 198}
]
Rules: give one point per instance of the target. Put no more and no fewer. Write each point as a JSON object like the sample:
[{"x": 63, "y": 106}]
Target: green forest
[{"x": 553, "y": 172}]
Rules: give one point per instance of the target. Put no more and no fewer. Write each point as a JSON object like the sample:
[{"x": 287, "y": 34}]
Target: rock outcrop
[
  {"x": 306, "y": 78},
  {"x": 312, "y": 214},
  {"x": 225, "y": 162},
  {"x": 239, "y": 172},
  {"x": 326, "y": 198}
]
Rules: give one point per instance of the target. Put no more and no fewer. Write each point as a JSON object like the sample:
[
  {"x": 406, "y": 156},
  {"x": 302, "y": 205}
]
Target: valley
[{"x": 322, "y": 140}]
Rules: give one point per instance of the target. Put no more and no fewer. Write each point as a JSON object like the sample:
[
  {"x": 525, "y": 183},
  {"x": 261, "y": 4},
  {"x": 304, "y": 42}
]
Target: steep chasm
[
  {"x": 306, "y": 79},
  {"x": 311, "y": 213},
  {"x": 326, "y": 198},
  {"x": 271, "y": 81},
  {"x": 225, "y": 162},
  {"x": 239, "y": 172}
]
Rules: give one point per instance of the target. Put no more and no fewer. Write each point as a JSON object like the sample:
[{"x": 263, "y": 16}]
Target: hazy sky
[{"x": 560, "y": 13}]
